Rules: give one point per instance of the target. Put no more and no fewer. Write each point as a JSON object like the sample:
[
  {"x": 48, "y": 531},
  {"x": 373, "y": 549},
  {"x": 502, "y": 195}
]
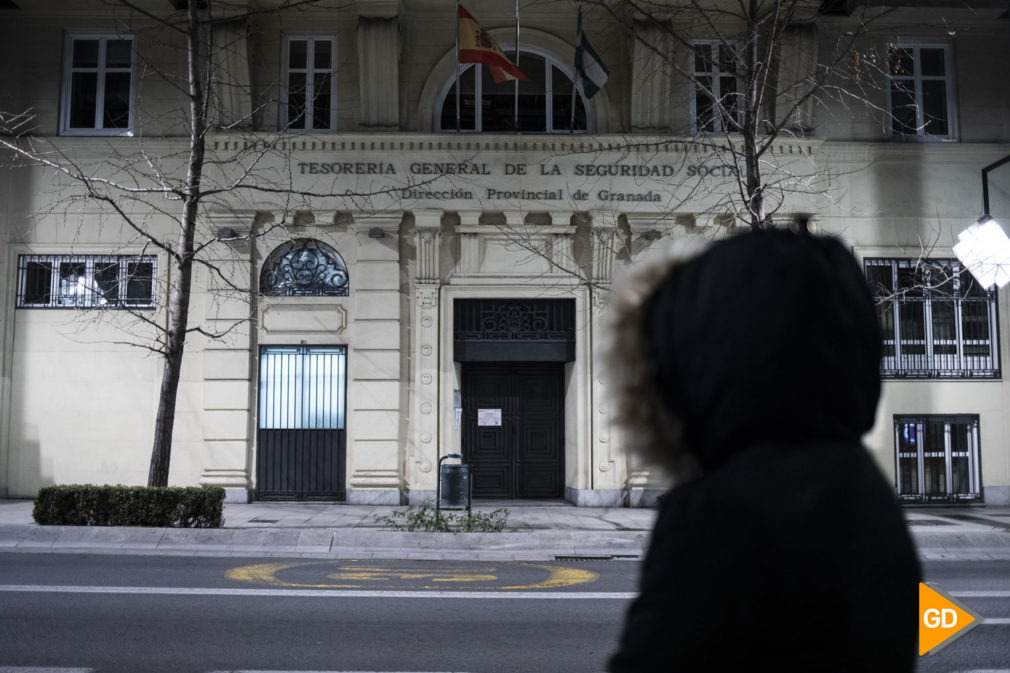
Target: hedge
[{"x": 89, "y": 505}]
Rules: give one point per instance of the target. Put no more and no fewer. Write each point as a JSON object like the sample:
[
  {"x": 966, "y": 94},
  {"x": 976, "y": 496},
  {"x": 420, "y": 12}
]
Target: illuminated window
[
  {"x": 302, "y": 387},
  {"x": 85, "y": 281},
  {"x": 936, "y": 320},
  {"x": 937, "y": 458}
]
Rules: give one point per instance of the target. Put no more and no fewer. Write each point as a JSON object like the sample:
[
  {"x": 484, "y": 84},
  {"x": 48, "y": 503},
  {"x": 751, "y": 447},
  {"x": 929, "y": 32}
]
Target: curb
[{"x": 341, "y": 543}]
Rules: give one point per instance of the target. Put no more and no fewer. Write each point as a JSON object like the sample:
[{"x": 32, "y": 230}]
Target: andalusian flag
[
  {"x": 476, "y": 46},
  {"x": 588, "y": 65}
]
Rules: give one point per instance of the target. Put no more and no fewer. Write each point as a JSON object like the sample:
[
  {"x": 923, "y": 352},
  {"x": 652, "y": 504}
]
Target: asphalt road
[
  {"x": 66, "y": 613},
  {"x": 133, "y": 613},
  {"x": 983, "y": 586}
]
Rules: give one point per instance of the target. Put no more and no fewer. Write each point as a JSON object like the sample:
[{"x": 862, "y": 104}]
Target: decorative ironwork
[
  {"x": 304, "y": 267},
  {"x": 937, "y": 322},
  {"x": 86, "y": 281},
  {"x": 515, "y": 320}
]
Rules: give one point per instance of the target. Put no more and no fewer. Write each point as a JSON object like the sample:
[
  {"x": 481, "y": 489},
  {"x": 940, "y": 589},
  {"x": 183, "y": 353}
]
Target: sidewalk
[{"x": 535, "y": 532}]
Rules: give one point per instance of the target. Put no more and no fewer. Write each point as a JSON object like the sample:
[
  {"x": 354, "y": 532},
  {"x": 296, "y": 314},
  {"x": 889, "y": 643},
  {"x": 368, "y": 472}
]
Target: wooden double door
[{"x": 513, "y": 429}]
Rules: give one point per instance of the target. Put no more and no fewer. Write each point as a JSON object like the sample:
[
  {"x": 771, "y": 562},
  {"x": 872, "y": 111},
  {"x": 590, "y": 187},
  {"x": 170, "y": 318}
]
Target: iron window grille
[
  {"x": 309, "y": 92},
  {"x": 304, "y": 267},
  {"x": 302, "y": 387},
  {"x": 920, "y": 92},
  {"x": 545, "y": 102},
  {"x": 97, "y": 85},
  {"x": 716, "y": 88},
  {"x": 936, "y": 321},
  {"x": 86, "y": 281},
  {"x": 937, "y": 459}
]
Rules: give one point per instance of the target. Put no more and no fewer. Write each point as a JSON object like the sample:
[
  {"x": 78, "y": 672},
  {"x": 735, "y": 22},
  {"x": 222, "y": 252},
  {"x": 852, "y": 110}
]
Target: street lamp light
[{"x": 983, "y": 248}]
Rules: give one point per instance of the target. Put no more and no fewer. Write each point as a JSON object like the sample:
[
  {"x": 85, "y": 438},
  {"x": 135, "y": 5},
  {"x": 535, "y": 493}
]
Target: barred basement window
[
  {"x": 86, "y": 281},
  {"x": 937, "y": 321},
  {"x": 937, "y": 458},
  {"x": 304, "y": 267}
]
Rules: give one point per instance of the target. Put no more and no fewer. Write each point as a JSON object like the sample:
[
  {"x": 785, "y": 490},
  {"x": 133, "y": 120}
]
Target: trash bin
[{"x": 453, "y": 484}]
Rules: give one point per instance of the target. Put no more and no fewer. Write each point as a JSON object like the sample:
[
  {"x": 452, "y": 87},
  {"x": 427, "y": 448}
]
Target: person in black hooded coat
[{"x": 751, "y": 371}]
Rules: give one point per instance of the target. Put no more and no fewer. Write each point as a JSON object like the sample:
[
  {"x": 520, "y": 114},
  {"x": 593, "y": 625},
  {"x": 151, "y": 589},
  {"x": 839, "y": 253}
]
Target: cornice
[{"x": 486, "y": 143}]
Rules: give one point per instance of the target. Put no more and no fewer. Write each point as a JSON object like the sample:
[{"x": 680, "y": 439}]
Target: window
[
  {"x": 545, "y": 102},
  {"x": 921, "y": 100},
  {"x": 309, "y": 94},
  {"x": 937, "y": 458},
  {"x": 715, "y": 92},
  {"x": 92, "y": 281},
  {"x": 936, "y": 320},
  {"x": 302, "y": 387},
  {"x": 97, "y": 86},
  {"x": 304, "y": 267}
]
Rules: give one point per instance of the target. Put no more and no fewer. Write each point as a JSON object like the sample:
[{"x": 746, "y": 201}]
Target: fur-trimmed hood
[{"x": 761, "y": 337}]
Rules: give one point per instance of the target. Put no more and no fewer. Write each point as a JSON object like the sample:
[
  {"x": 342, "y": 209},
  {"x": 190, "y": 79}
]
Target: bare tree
[
  {"x": 142, "y": 185},
  {"x": 755, "y": 71}
]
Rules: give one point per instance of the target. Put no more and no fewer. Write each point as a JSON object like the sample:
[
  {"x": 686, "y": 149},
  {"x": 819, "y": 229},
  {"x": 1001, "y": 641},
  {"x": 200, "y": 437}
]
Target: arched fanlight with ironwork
[{"x": 304, "y": 267}]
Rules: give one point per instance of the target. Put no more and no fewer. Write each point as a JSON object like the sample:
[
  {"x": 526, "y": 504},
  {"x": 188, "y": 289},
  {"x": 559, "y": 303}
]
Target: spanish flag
[{"x": 476, "y": 46}]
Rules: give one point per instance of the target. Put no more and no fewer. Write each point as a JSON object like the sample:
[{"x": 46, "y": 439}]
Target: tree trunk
[{"x": 181, "y": 289}]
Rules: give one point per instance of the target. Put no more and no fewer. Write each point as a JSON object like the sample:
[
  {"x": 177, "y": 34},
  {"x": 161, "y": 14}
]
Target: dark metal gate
[
  {"x": 513, "y": 429},
  {"x": 301, "y": 438}
]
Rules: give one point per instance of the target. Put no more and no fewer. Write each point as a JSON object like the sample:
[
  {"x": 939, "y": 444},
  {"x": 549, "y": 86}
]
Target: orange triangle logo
[{"x": 941, "y": 620}]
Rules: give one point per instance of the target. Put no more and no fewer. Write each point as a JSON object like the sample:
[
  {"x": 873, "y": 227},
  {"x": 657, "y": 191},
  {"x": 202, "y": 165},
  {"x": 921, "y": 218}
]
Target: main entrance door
[
  {"x": 300, "y": 442},
  {"x": 513, "y": 428}
]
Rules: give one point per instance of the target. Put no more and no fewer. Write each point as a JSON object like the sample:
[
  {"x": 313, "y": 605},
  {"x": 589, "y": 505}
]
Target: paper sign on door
[{"x": 489, "y": 417}]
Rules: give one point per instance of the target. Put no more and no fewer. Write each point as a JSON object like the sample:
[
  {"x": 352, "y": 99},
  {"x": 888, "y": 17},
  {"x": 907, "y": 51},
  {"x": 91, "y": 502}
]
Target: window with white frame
[
  {"x": 716, "y": 95},
  {"x": 309, "y": 92},
  {"x": 97, "y": 85},
  {"x": 937, "y": 458},
  {"x": 86, "y": 281},
  {"x": 921, "y": 92},
  {"x": 545, "y": 102},
  {"x": 937, "y": 321}
]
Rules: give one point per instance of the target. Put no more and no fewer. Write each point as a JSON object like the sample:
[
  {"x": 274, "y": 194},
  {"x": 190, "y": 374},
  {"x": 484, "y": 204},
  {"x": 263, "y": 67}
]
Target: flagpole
[
  {"x": 457, "y": 66},
  {"x": 515, "y": 112},
  {"x": 575, "y": 78}
]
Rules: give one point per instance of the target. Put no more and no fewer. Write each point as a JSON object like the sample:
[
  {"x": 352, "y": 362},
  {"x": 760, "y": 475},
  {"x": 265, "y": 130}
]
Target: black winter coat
[{"x": 783, "y": 547}]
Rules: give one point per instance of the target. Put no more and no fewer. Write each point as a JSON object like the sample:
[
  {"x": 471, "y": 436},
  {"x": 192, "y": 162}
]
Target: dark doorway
[
  {"x": 513, "y": 428},
  {"x": 301, "y": 440}
]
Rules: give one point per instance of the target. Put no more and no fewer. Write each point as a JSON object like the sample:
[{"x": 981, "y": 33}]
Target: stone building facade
[{"x": 391, "y": 289}]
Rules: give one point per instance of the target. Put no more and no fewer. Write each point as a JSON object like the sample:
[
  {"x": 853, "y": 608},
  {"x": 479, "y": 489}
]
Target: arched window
[
  {"x": 545, "y": 102},
  {"x": 304, "y": 267}
]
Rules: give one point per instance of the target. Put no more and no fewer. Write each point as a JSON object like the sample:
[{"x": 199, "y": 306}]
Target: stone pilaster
[
  {"x": 651, "y": 75},
  {"x": 374, "y": 424},
  {"x": 797, "y": 66},
  {"x": 605, "y": 242},
  {"x": 468, "y": 242},
  {"x": 421, "y": 475},
  {"x": 231, "y": 80},
  {"x": 379, "y": 64},
  {"x": 226, "y": 418}
]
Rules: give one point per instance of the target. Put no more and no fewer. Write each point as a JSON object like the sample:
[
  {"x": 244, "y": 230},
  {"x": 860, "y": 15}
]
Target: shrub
[
  {"x": 89, "y": 505},
  {"x": 426, "y": 517}
]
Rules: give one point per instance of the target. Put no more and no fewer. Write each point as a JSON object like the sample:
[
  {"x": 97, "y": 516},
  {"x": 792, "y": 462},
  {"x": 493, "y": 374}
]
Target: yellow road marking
[{"x": 351, "y": 576}]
